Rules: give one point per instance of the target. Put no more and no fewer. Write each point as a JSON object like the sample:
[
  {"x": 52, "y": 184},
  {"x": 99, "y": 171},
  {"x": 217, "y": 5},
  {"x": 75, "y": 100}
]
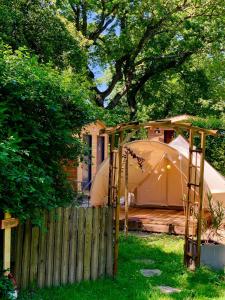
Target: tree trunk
[{"x": 132, "y": 103}]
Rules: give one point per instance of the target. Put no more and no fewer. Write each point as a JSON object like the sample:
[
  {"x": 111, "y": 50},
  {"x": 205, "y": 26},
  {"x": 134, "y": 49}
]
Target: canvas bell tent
[{"x": 161, "y": 180}]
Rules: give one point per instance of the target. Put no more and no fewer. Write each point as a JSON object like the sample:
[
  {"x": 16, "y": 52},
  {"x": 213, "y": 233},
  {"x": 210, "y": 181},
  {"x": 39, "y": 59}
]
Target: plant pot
[{"x": 213, "y": 255}]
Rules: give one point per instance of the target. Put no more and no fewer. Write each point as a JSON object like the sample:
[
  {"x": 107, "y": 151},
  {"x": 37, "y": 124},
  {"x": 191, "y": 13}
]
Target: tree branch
[
  {"x": 76, "y": 10},
  {"x": 84, "y": 17}
]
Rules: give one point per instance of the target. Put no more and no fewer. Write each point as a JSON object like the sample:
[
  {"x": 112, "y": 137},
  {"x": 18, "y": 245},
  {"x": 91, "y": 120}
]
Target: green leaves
[{"x": 41, "y": 111}]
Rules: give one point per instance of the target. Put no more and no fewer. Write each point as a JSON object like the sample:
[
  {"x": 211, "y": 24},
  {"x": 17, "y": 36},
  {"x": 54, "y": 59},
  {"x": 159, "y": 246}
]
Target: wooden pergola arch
[{"x": 192, "y": 246}]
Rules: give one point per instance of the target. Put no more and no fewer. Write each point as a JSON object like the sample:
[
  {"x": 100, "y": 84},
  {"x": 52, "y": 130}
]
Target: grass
[{"x": 167, "y": 252}]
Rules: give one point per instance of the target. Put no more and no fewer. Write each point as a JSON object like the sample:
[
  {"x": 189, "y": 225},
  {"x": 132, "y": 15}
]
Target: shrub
[
  {"x": 215, "y": 145},
  {"x": 41, "y": 113}
]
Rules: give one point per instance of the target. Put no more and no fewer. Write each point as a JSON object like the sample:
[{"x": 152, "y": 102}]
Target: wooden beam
[
  {"x": 126, "y": 195},
  {"x": 187, "y": 215},
  {"x": 111, "y": 161},
  {"x": 201, "y": 197},
  {"x": 117, "y": 213},
  {"x": 7, "y": 247},
  {"x": 158, "y": 123}
]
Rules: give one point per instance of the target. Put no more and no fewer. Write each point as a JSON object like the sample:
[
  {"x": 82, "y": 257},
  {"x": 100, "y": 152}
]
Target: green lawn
[{"x": 166, "y": 251}]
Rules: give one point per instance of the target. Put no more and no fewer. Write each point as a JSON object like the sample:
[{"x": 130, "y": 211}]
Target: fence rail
[{"x": 77, "y": 245}]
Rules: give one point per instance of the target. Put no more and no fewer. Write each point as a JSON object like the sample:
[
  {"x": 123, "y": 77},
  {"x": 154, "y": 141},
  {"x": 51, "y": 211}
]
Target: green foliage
[
  {"x": 217, "y": 216},
  {"x": 138, "y": 46},
  {"x": 215, "y": 145},
  {"x": 41, "y": 114},
  {"x": 38, "y": 26},
  {"x": 197, "y": 88},
  {"x": 134, "y": 43},
  {"x": 6, "y": 285}
]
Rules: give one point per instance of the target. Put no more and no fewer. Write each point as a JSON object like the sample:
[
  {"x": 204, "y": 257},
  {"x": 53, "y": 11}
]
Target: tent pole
[
  {"x": 111, "y": 158},
  {"x": 117, "y": 213},
  {"x": 201, "y": 196},
  {"x": 187, "y": 217},
  {"x": 126, "y": 196}
]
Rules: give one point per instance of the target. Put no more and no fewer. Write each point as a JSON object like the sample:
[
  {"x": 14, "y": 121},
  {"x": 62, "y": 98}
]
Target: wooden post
[
  {"x": 201, "y": 197},
  {"x": 117, "y": 214},
  {"x": 114, "y": 177},
  {"x": 126, "y": 196},
  {"x": 187, "y": 217},
  {"x": 7, "y": 247},
  {"x": 111, "y": 162}
]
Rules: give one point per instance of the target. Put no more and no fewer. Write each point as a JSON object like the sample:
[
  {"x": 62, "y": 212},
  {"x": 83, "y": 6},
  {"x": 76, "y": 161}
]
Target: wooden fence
[{"x": 77, "y": 245}]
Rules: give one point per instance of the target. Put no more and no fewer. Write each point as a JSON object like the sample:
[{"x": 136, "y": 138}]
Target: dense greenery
[
  {"x": 153, "y": 58},
  {"x": 135, "y": 41},
  {"x": 40, "y": 110},
  {"x": 167, "y": 252},
  {"x": 215, "y": 145},
  {"x": 36, "y": 25},
  {"x": 133, "y": 59}
]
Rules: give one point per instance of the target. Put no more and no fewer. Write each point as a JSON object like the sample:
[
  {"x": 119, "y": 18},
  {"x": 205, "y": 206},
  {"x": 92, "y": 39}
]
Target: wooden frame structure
[{"x": 124, "y": 132}]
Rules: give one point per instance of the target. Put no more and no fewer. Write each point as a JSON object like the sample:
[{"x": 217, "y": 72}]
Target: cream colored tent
[{"x": 162, "y": 181}]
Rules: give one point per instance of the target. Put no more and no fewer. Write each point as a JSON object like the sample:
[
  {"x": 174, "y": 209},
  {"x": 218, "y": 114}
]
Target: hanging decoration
[{"x": 140, "y": 160}]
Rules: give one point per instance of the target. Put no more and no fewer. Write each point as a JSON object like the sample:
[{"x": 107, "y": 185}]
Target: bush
[
  {"x": 41, "y": 114},
  {"x": 215, "y": 145}
]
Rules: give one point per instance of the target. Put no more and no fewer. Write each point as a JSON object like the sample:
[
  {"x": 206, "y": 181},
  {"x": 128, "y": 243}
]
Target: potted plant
[{"x": 212, "y": 250}]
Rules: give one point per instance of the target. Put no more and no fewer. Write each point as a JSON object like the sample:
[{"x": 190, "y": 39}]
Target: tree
[
  {"x": 42, "y": 111},
  {"x": 138, "y": 40},
  {"x": 197, "y": 88},
  {"x": 37, "y": 25}
]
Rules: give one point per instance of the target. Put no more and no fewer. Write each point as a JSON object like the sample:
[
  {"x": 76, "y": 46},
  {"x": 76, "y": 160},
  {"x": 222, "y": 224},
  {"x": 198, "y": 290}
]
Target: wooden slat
[
  {"x": 18, "y": 254},
  {"x": 80, "y": 244},
  {"x": 95, "y": 244},
  {"x": 73, "y": 245},
  {"x": 42, "y": 253},
  {"x": 58, "y": 247},
  {"x": 65, "y": 246},
  {"x": 26, "y": 256},
  {"x": 109, "y": 251},
  {"x": 87, "y": 244},
  {"x": 50, "y": 248},
  {"x": 102, "y": 243},
  {"x": 34, "y": 254}
]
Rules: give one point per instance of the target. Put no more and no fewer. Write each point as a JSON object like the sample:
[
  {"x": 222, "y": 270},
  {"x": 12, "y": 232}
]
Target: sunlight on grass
[{"x": 167, "y": 253}]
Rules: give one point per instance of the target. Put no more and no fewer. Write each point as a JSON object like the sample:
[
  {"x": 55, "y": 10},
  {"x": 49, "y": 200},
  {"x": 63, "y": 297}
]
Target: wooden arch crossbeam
[{"x": 192, "y": 244}]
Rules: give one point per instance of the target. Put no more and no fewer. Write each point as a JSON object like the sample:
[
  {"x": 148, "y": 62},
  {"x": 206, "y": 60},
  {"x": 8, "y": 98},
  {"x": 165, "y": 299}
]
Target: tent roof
[{"x": 214, "y": 180}]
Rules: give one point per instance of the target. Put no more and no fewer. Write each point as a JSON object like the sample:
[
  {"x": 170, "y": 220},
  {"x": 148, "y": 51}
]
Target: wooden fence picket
[
  {"x": 42, "y": 254},
  {"x": 80, "y": 244},
  {"x": 75, "y": 245},
  {"x": 87, "y": 244},
  {"x": 95, "y": 245},
  {"x": 65, "y": 247},
  {"x": 58, "y": 247},
  {"x": 102, "y": 243}
]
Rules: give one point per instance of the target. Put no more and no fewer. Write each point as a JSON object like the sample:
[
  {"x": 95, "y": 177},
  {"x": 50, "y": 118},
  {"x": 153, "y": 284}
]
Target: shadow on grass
[{"x": 167, "y": 253}]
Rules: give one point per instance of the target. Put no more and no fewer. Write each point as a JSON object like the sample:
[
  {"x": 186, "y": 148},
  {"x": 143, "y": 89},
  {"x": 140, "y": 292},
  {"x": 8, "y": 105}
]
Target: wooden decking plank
[{"x": 158, "y": 219}]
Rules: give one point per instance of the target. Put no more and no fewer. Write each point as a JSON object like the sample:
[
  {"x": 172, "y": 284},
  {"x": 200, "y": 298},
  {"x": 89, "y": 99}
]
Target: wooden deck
[{"x": 156, "y": 220}]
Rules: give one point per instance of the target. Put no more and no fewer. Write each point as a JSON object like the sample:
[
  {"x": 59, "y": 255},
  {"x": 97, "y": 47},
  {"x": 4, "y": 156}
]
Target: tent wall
[
  {"x": 152, "y": 189},
  {"x": 164, "y": 187}
]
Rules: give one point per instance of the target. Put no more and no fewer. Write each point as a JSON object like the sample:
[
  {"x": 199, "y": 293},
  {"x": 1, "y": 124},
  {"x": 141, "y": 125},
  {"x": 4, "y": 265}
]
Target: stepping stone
[
  {"x": 144, "y": 261},
  {"x": 168, "y": 289},
  {"x": 150, "y": 272}
]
